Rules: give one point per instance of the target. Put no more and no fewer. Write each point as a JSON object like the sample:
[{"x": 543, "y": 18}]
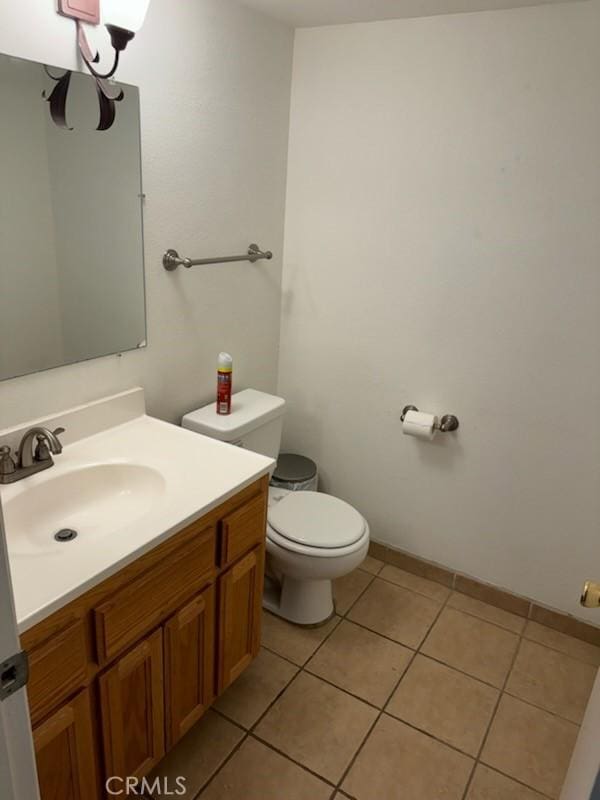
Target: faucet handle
[
  {"x": 57, "y": 432},
  {"x": 7, "y": 462}
]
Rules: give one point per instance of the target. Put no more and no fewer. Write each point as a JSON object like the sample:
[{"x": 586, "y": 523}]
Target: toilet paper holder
[{"x": 447, "y": 423}]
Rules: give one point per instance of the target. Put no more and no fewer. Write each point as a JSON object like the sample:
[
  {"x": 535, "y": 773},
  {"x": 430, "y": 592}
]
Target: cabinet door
[
  {"x": 65, "y": 755},
  {"x": 132, "y": 696},
  {"x": 240, "y": 601},
  {"x": 189, "y": 664}
]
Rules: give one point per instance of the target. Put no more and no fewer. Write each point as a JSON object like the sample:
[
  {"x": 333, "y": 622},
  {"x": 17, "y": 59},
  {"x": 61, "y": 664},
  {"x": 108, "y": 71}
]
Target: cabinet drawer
[
  {"x": 243, "y": 529},
  {"x": 57, "y": 668},
  {"x": 145, "y": 603}
]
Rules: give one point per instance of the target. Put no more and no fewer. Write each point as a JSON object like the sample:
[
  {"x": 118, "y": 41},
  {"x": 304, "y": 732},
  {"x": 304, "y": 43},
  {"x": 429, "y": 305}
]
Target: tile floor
[{"x": 411, "y": 692}]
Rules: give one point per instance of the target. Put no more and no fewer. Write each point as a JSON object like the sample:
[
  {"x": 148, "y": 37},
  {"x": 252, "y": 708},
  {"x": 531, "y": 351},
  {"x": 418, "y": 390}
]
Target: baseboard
[{"x": 494, "y": 595}]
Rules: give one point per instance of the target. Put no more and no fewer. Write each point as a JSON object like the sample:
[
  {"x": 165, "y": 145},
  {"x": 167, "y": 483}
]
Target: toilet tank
[{"x": 255, "y": 422}]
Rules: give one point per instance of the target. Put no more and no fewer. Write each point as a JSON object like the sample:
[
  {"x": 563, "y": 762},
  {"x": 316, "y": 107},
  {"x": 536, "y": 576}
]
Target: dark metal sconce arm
[{"x": 92, "y": 58}]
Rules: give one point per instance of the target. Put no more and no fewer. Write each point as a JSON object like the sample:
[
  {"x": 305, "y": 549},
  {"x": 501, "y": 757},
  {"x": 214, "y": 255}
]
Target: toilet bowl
[{"x": 312, "y": 538}]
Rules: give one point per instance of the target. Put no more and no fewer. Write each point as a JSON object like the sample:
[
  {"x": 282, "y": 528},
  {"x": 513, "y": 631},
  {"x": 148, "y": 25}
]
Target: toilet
[{"x": 312, "y": 537}]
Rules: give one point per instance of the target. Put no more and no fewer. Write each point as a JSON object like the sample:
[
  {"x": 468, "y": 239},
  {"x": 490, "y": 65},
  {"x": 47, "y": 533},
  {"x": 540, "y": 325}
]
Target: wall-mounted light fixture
[{"x": 122, "y": 19}]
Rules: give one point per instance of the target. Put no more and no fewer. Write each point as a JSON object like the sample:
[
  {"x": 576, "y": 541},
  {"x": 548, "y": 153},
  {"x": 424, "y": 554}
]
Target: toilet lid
[{"x": 316, "y": 520}]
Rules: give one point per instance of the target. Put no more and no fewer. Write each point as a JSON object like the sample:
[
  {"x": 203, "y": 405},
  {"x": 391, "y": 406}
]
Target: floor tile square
[
  {"x": 490, "y": 785},
  {"x": 200, "y": 753},
  {"x": 530, "y": 745},
  {"x": 361, "y": 662},
  {"x": 317, "y": 725},
  {"x": 473, "y": 646},
  {"x": 400, "y": 762},
  {"x": 292, "y": 641},
  {"x": 256, "y": 688},
  {"x": 348, "y": 589},
  {"x": 256, "y": 772},
  {"x": 415, "y": 583},
  {"x": 395, "y": 612},
  {"x": 566, "y": 644},
  {"x": 372, "y": 565},
  {"x": 489, "y": 613},
  {"x": 444, "y": 703},
  {"x": 551, "y": 680}
]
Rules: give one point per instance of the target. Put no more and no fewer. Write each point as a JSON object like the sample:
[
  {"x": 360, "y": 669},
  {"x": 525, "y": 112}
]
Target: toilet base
[{"x": 303, "y": 602}]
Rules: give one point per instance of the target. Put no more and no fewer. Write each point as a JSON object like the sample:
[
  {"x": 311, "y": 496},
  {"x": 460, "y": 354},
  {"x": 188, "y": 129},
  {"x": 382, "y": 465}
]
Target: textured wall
[
  {"x": 442, "y": 241},
  {"x": 214, "y": 83}
]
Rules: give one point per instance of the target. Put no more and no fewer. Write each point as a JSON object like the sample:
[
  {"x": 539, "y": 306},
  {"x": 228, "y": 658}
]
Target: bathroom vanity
[{"x": 165, "y": 613}]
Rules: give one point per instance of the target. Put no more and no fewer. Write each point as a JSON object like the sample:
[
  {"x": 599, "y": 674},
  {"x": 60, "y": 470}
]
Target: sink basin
[{"x": 93, "y": 501}]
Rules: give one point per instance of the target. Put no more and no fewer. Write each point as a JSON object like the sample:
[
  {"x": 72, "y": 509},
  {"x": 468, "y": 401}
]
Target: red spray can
[{"x": 224, "y": 381}]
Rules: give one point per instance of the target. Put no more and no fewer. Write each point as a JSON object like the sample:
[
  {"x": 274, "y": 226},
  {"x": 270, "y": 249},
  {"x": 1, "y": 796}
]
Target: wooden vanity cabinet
[{"x": 119, "y": 675}]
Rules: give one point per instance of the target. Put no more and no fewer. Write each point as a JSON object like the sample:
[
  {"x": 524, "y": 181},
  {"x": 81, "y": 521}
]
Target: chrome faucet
[{"x": 29, "y": 461}]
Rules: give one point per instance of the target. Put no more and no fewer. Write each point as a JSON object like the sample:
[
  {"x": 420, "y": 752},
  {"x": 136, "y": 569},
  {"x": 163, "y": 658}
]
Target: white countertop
[{"x": 199, "y": 474}]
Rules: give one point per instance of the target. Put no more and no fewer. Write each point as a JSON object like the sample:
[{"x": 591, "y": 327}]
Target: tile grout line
[
  {"x": 503, "y": 692},
  {"x": 223, "y": 763},
  {"x": 285, "y": 755},
  {"x": 395, "y": 687},
  {"x": 541, "y": 708},
  {"x": 421, "y": 593},
  {"x": 477, "y": 760},
  {"x": 520, "y": 783}
]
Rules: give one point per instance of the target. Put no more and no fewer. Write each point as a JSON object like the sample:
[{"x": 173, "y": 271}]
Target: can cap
[{"x": 225, "y": 362}]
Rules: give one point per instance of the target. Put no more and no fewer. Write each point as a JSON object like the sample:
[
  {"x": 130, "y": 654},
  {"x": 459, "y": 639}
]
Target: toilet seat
[{"x": 313, "y": 521}]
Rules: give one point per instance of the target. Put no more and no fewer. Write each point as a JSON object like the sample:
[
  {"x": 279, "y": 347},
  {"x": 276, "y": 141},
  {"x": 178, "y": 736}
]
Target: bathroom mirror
[{"x": 71, "y": 243}]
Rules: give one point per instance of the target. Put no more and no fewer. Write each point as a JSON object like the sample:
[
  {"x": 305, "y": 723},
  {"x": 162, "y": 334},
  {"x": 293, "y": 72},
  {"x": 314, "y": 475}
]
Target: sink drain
[{"x": 65, "y": 535}]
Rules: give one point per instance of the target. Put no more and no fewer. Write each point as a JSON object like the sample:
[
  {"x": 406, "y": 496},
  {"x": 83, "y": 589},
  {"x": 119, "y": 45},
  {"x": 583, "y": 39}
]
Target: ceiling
[{"x": 311, "y": 13}]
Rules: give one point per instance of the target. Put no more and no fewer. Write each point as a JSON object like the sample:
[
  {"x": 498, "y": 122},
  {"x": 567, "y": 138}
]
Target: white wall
[
  {"x": 442, "y": 249},
  {"x": 214, "y": 83}
]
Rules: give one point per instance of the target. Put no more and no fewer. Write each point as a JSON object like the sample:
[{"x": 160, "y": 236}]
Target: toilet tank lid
[{"x": 249, "y": 409}]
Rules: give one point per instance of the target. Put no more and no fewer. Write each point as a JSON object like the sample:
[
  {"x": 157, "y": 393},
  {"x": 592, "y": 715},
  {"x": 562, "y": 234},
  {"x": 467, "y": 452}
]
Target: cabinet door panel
[
  {"x": 189, "y": 664},
  {"x": 65, "y": 755},
  {"x": 240, "y": 601},
  {"x": 132, "y": 696}
]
